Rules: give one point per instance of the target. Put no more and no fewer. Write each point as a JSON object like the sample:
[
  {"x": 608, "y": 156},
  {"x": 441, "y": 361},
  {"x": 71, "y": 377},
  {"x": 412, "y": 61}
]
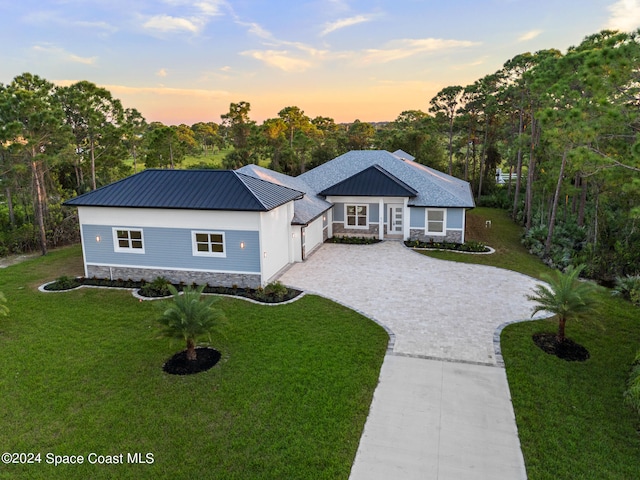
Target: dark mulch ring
[
  {"x": 567, "y": 350},
  {"x": 179, "y": 365}
]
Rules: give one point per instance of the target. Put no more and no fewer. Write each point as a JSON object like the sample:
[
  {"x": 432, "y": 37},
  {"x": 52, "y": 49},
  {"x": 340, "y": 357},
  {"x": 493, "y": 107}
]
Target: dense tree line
[{"x": 563, "y": 126}]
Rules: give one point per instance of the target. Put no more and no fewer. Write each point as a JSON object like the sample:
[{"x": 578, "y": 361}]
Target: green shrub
[
  {"x": 632, "y": 394},
  {"x": 471, "y": 247},
  {"x": 276, "y": 290},
  {"x": 353, "y": 240},
  {"x": 63, "y": 283},
  {"x": 158, "y": 288},
  {"x": 628, "y": 287}
]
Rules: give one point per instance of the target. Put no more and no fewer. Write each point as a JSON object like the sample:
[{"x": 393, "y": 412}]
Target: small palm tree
[
  {"x": 4, "y": 310},
  {"x": 190, "y": 317},
  {"x": 566, "y": 297}
]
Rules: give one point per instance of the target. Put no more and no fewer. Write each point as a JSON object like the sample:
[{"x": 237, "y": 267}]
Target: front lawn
[{"x": 82, "y": 373}]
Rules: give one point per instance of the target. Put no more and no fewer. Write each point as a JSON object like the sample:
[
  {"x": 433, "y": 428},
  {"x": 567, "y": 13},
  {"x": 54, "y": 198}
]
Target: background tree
[
  {"x": 167, "y": 146},
  {"x": 33, "y": 128},
  {"x": 95, "y": 118},
  {"x": 133, "y": 130},
  {"x": 242, "y": 134},
  {"x": 360, "y": 136},
  {"x": 445, "y": 105}
]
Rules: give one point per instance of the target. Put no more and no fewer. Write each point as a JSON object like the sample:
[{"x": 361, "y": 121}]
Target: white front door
[{"x": 395, "y": 220}]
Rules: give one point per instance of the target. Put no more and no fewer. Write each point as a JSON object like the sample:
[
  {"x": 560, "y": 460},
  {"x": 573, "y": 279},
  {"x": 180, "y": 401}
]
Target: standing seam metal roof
[
  {"x": 191, "y": 190},
  {"x": 372, "y": 181}
]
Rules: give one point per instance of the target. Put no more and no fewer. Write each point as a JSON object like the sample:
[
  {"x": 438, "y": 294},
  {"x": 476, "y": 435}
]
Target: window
[
  {"x": 209, "y": 244},
  {"x": 356, "y": 216},
  {"x": 435, "y": 222},
  {"x": 128, "y": 240}
]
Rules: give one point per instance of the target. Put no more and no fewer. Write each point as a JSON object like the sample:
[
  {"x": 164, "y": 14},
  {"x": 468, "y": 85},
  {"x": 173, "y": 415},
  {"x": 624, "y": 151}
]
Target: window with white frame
[
  {"x": 208, "y": 244},
  {"x": 356, "y": 216},
  {"x": 435, "y": 221},
  {"x": 128, "y": 240}
]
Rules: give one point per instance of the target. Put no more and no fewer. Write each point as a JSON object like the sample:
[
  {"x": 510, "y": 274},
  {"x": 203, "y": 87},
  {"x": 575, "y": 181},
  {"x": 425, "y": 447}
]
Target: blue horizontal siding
[
  {"x": 171, "y": 248},
  {"x": 417, "y": 217},
  {"x": 454, "y": 217}
]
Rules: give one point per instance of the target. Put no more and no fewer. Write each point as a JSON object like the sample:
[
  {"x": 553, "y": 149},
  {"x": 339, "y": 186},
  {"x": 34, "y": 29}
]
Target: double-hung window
[
  {"x": 128, "y": 240},
  {"x": 208, "y": 244},
  {"x": 435, "y": 221},
  {"x": 356, "y": 216}
]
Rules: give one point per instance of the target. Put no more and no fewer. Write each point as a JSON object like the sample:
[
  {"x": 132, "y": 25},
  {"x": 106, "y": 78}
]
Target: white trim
[
  {"x": 160, "y": 267},
  {"x": 444, "y": 221},
  {"x": 366, "y": 215},
  {"x": 129, "y": 249},
  {"x": 208, "y": 253}
]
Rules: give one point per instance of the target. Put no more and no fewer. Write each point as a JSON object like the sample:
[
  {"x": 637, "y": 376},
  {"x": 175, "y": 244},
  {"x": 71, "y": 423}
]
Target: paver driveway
[
  {"x": 436, "y": 309},
  {"x": 442, "y": 409}
]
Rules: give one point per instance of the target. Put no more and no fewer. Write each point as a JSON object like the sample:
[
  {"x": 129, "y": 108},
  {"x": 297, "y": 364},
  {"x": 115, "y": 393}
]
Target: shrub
[
  {"x": 158, "y": 288},
  {"x": 628, "y": 287},
  {"x": 632, "y": 394},
  {"x": 472, "y": 246},
  {"x": 276, "y": 290},
  {"x": 354, "y": 240},
  {"x": 63, "y": 283}
]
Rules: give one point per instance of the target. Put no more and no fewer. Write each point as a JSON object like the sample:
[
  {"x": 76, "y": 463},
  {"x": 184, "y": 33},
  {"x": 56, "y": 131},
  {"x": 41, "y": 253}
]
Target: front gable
[{"x": 373, "y": 181}]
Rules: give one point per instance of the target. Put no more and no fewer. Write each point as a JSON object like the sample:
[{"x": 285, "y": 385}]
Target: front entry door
[{"x": 396, "y": 220}]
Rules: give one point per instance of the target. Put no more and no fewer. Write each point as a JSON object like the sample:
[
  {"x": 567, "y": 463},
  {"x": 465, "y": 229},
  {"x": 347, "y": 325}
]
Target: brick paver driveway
[{"x": 436, "y": 309}]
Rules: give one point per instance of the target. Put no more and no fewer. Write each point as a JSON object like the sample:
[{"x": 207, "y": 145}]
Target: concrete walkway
[{"x": 442, "y": 408}]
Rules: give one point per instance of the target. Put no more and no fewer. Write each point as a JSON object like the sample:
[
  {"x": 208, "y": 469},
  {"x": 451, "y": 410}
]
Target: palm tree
[
  {"x": 189, "y": 317},
  {"x": 4, "y": 311},
  {"x": 566, "y": 297}
]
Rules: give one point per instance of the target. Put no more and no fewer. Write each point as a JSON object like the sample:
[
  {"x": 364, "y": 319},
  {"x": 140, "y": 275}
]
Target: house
[{"x": 243, "y": 227}]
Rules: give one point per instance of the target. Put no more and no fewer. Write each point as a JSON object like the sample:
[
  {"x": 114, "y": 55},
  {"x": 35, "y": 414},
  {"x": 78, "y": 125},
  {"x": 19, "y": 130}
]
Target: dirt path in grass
[{"x": 13, "y": 259}]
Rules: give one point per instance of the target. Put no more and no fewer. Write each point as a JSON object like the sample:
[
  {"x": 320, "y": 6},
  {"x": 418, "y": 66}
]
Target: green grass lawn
[
  {"x": 81, "y": 373},
  {"x": 571, "y": 420}
]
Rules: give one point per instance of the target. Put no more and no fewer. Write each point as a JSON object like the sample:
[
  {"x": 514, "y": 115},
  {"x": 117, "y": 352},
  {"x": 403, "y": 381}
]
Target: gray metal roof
[
  {"x": 307, "y": 208},
  {"x": 434, "y": 188},
  {"x": 191, "y": 190},
  {"x": 371, "y": 182}
]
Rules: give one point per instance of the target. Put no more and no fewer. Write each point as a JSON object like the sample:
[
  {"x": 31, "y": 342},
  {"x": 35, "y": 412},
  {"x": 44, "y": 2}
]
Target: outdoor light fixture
[
  {"x": 241, "y": 244},
  {"x": 98, "y": 238}
]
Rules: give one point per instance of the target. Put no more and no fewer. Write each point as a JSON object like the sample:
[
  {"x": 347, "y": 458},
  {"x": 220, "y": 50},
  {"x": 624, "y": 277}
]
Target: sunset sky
[{"x": 185, "y": 61}]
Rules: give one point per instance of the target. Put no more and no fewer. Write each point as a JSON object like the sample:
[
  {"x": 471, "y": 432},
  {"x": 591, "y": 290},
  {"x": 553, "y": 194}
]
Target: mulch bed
[
  {"x": 179, "y": 365},
  {"x": 567, "y": 350}
]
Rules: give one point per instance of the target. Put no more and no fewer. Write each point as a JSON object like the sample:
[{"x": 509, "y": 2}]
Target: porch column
[
  {"x": 381, "y": 219},
  {"x": 406, "y": 219}
]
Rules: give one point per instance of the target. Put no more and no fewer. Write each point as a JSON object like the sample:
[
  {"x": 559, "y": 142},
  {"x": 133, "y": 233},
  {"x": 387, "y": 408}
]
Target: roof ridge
[{"x": 244, "y": 184}]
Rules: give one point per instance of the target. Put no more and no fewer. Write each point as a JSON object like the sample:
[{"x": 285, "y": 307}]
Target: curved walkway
[{"x": 442, "y": 410}]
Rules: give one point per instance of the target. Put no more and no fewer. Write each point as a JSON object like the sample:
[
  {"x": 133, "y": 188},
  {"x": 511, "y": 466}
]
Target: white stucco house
[{"x": 243, "y": 227}]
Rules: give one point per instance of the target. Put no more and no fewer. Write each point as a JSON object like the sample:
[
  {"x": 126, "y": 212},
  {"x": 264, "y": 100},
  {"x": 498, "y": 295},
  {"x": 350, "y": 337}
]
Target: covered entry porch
[{"x": 378, "y": 217}]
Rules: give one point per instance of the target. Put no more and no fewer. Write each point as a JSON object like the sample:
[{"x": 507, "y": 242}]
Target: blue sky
[{"x": 184, "y": 61}]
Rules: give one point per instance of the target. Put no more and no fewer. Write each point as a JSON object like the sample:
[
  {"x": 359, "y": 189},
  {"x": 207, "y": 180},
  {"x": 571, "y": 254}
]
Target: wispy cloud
[
  {"x": 281, "y": 59},
  {"x": 405, "y": 48},
  {"x": 625, "y": 15},
  {"x": 345, "y": 22},
  {"x": 43, "y": 17},
  {"x": 203, "y": 11},
  {"x": 164, "y": 91},
  {"x": 168, "y": 24},
  {"x": 162, "y": 73},
  {"x": 63, "y": 55},
  {"x": 530, "y": 35}
]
